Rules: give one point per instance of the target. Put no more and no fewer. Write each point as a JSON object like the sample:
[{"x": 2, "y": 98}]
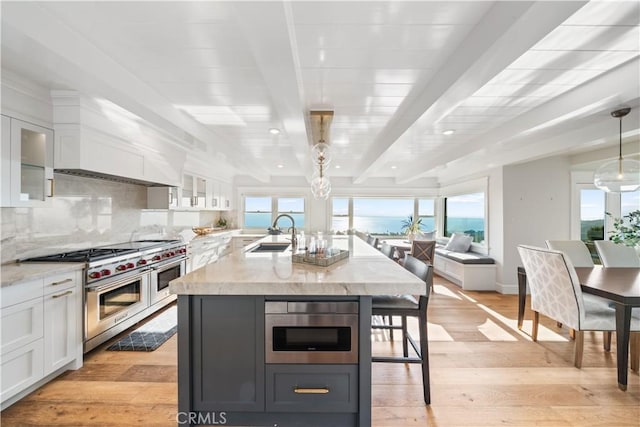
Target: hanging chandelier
[
  {"x": 620, "y": 175},
  {"x": 321, "y": 156}
]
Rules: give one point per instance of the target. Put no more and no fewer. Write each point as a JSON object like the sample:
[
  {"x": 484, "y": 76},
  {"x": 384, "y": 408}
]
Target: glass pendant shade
[
  {"x": 321, "y": 154},
  {"x": 618, "y": 176},
  {"x": 320, "y": 187}
]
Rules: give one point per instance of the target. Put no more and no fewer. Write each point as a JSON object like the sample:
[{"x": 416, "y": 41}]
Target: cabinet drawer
[
  {"x": 59, "y": 282},
  {"x": 21, "y": 324},
  {"x": 20, "y": 292},
  {"x": 21, "y": 368},
  {"x": 312, "y": 388}
]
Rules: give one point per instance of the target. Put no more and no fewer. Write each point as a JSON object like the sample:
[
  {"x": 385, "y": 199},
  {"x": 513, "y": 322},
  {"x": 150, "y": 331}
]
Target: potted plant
[
  {"x": 222, "y": 222},
  {"x": 626, "y": 230},
  {"x": 411, "y": 227}
]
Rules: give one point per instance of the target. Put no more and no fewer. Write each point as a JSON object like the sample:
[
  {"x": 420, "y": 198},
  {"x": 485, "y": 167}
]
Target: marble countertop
[
  {"x": 17, "y": 272},
  {"x": 365, "y": 272}
]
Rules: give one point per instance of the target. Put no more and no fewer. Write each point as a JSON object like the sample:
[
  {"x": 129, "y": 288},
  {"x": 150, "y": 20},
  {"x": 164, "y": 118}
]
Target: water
[
  {"x": 389, "y": 225},
  {"x": 393, "y": 225}
]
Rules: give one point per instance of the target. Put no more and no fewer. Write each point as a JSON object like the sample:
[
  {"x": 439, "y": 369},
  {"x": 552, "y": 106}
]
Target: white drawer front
[
  {"x": 21, "y": 368},
  {"x": 20, "y": 292},
  {"x": 60, "y": 282},
  {"x": 21, "y": 324}
]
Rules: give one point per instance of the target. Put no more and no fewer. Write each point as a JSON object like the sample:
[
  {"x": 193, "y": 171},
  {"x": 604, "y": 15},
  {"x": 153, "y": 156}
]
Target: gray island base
[{"x": 263, "y": 341}]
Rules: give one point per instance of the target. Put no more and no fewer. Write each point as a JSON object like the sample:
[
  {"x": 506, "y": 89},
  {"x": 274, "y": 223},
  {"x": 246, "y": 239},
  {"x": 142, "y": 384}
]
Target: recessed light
[
  {"x": 274, "y": 131},
  {"x": 448, "y": 132},
  {"x": 280, "y": 166},
  {"x": 394, "y": 167},
  {"x": 337, "y": 166}
]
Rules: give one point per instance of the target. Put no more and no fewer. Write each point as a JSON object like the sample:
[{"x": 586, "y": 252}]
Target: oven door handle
[
  {"x": 170, "y": 264},
  {"x": 113, "y": 285}
]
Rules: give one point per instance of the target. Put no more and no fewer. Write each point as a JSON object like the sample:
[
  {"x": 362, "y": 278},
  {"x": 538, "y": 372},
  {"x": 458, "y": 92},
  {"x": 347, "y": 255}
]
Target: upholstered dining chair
[
  {"x": 616, "y": 255},
  {"x": 580, "y": 256},
  {"x": 407, "y": 306},
  {"x": 556, "y": 293},
  {"x": 373, "y": 241},
  {"x": 576, "y": 250}
]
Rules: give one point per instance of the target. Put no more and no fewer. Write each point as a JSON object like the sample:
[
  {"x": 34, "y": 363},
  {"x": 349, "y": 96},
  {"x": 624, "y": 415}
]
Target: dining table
[{"x": 618, "y": 284}]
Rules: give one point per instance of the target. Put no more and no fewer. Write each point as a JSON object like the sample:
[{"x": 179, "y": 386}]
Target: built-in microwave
[{"x": 311, "y": 332}]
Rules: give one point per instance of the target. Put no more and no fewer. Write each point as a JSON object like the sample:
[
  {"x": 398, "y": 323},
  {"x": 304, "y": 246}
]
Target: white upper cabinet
[
  {"x": 27, "y": 164},
  {"x": 226, "y": 196}
]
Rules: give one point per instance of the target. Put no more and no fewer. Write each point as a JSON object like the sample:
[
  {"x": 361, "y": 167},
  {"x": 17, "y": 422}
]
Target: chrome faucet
[{"x": 294, "y": 242}]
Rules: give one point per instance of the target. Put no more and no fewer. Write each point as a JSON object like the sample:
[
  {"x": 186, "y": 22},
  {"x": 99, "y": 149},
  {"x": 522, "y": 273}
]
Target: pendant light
[
  {"x": 620, "y": 175},
  {"x": 321, "y": 157}
]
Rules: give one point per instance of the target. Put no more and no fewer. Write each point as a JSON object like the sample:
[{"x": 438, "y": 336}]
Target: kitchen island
[{"x": 304, "y": 360}]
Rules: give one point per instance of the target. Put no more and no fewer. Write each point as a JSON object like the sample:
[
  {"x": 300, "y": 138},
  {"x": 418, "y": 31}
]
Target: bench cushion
[{"x": 465, "y": 257}]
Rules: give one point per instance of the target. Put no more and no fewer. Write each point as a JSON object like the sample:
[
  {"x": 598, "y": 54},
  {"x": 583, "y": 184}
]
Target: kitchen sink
[{"x": 271, "y": 247}]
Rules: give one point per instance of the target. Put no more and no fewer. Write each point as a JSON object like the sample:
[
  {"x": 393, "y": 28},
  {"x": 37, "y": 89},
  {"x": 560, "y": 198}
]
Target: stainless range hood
[{"x": 98, "y": 175}]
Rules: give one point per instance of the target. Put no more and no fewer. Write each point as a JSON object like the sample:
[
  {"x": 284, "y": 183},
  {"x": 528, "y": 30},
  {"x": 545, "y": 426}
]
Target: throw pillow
[
  {"x": 429, "y": 235},
  {"x": 459, "y": 243}
]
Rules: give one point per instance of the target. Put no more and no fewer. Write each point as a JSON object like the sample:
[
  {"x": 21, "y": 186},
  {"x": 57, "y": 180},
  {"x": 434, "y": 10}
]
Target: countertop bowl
[{"x": 201, "y": 231}]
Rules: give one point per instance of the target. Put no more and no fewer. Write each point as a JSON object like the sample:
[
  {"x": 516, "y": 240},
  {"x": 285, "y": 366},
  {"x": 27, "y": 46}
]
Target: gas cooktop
[{"x": 102, "y": 252}]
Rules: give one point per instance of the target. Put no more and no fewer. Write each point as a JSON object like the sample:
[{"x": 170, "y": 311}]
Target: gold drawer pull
[
  {"x": 51, "y": 187},
  {"x": 62, "y": 282},
  {"x": 322, "y": 390},
  {"x": 62, "y": 294}
]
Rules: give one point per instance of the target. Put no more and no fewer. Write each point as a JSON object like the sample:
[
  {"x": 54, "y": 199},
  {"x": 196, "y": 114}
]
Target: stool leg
[
  {"x": 405, "y": 341},
  {"x": 391, "y": 330},
  {"x": 424, "y": 350}
]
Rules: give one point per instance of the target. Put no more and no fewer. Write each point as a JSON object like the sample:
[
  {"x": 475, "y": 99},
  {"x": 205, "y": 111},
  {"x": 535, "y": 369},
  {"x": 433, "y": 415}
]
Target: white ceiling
[{"x": 514, "y": 80}]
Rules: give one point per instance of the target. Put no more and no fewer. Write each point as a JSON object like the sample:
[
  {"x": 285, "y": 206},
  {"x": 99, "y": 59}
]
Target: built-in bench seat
[{"x": 469, "y": 270}]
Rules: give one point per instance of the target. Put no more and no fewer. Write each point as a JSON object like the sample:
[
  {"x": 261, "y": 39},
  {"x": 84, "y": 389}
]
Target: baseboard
[{"x": 507, "y": 288}]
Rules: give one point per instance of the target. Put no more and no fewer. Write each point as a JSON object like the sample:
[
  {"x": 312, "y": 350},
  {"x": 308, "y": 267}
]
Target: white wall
[{"x": 536, "y": 206}]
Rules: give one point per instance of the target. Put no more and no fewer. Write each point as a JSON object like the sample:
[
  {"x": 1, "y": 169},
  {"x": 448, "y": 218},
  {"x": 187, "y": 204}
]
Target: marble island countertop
[{"x": 365, "y": 272}]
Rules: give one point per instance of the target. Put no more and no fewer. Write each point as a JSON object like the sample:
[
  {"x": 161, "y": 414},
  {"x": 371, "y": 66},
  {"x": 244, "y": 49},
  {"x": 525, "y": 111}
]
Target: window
[
  {"x": 381, "y": 216},
  {"x": 340, "y": 216},
  {"x": 293, "y": 206},
  {"x": 257, "y": 212},
  {"x": 629, "y": 202},
  {"x": 426, "y": 212},
  {"x": 260, "y": 212},
  {"x": 465, "y": 214},
  {"x": 592, "y": 216}
]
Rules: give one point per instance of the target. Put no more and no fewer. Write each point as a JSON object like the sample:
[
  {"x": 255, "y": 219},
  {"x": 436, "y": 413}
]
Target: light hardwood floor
[{"x": 484, "y": 372}]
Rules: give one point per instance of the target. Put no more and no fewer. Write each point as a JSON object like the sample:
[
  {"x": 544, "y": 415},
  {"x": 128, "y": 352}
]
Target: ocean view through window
[
  {"x": 380, "y": 216},
  {"x": 465, "y": 214},
  {"x": 260, "y": 212}
]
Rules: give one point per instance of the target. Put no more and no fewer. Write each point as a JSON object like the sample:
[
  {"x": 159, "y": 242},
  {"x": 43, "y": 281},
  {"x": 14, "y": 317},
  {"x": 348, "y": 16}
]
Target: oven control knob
[
  {"x": 121, "y": 267},
  {"x": 105, "y": 272},
  {"x": 172, "y": 253},
  {"x": 130, "y": 265},
  {"x": 181, "y": 251},
  {"x": 95, "y": 275},
  {"x": 166, "y": 255},
  {"x": 142, "y": 262},
  {"x": 156, "y": 258}
]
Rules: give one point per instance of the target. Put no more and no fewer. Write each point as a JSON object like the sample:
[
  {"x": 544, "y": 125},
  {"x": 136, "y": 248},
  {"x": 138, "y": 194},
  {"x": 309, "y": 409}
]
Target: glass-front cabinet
[{"x": 27, "y": 164}]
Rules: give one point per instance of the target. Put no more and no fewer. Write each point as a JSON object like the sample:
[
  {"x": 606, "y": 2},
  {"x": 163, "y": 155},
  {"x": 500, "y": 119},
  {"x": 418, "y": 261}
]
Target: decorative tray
[{"x": 321, "y": 260}]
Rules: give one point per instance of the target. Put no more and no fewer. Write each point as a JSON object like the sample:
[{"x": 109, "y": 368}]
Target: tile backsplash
[{"x": 90, "y": 212}]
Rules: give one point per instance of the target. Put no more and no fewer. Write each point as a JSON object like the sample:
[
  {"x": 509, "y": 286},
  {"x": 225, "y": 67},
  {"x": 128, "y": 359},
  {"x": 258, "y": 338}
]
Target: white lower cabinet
[
  {"x": 21, "y": 368},
  {"x": 205, "y": 250},
  {"x": 61, "y": 311},
  {"x": 41, "y": 331}
]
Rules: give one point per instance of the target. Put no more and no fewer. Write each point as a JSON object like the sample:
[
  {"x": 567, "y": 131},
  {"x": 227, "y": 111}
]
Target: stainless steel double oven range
[{"x": 124, "y": 283}]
